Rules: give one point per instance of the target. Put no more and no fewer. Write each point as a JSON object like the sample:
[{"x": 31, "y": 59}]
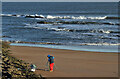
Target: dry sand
[{"x": 69, "y": 63}]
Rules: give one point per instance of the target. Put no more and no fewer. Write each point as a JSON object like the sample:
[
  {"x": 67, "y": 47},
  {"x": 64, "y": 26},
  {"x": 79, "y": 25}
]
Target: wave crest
[
  {"x": 76, "y": 22},
  {"x": 61, "y": 17}
]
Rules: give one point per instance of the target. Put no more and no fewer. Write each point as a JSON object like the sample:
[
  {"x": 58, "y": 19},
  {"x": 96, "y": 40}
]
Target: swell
[
  {"x": 58, "y": 17},
  {"x": 73, "y": 30},
  {"x": 76, "y": 22}
]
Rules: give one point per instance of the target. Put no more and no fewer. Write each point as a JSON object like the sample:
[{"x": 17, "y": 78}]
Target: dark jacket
[{"x": 51, "y": 59}]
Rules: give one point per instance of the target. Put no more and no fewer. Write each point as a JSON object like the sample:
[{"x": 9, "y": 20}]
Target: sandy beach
[{"x": 69, "y": 63}]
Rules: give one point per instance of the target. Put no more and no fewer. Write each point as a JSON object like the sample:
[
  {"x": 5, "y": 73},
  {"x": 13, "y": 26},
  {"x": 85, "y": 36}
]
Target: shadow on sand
[{"x": 46, "y": 69}]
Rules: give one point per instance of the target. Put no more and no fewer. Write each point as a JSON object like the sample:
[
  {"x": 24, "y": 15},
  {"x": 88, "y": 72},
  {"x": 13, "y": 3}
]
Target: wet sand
[{"x": 69, "y": 63}]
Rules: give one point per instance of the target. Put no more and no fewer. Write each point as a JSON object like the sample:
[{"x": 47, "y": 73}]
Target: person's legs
[{"x": 51, "y": 66}]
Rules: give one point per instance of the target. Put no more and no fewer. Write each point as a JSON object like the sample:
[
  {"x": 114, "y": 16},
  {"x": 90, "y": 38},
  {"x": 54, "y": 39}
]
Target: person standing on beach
[{"x": 51, "y": 62}]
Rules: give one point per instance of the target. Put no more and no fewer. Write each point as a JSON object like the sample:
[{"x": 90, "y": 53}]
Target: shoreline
[
  {"x": 81, "y": 63},
  {"x": 88, "y": 48},
  {"x": 67, "y": 49}
]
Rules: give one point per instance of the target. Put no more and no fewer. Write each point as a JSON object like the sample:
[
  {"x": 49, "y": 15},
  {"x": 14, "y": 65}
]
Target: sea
[{"x": 84, "y": 26}]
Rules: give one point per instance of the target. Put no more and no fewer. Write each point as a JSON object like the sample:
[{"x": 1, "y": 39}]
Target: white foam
[
  {"x": 73, "y": 17},
  {"x": 50, "y": 17},
  {"x": 6, "y": 14},
  {"x": 99, "y": 44},
  {"x": 97, "y": 17},
  {"x": 56, "y": 29},
  {"x": 58, "y": 17},
  {"x": 103, "y": 31},
  {"x": 80, "y": 17}
]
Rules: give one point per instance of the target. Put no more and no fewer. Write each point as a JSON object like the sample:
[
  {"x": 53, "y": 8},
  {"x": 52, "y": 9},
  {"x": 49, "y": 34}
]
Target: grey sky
[{"x": 59, "y": 0}]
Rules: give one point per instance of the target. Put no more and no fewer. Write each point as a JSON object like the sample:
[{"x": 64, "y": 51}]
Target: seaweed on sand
[{"x": 13, "y": 67}]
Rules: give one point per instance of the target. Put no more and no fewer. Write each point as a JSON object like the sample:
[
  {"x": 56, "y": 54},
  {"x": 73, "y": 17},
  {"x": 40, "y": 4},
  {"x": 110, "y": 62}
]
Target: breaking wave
[
  {"x": 76, "y": 22},
  {"x": 73, "y": 30},
  {"x": 51, "y": 43},
  {"x": 59, "y": 17}
]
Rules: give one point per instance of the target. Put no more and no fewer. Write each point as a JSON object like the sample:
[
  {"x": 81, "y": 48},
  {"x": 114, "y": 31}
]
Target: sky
[{"x": 59, "y": 0}]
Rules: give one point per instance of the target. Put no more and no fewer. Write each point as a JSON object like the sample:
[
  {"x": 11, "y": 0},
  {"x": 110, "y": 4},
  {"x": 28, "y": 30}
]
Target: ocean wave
[
  {"x": 65, "y": 17},
  {"x": 11, "y": 15},
  {"x": 112, "y": 17},
  {"x": 34, "y": 16},
  {"x": 81, "y": 31},
  {"x": 76, "y": 22},
  {"x": 70, "y": 17},
  {"x": 101, "y": 31},
  {"x": 73, "y": 30},
  {"x": 53, "y": 43},
  {"x": 61, "y": 17}
]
